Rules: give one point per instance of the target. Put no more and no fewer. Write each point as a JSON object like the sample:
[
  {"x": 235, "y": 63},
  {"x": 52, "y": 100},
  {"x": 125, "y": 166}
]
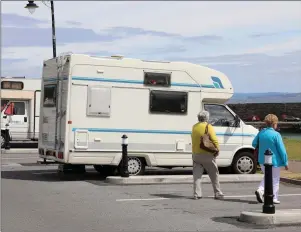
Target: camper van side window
[
  {"x": 157, "y": 79},
  {"x": 219, "y": 115},
  {"x": 168, "y": 102},
  {"x": 49, "y": 96}
]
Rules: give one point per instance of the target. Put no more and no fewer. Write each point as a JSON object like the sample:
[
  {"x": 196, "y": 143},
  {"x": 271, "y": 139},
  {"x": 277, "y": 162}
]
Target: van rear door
[{"x": 17, "y": 117}]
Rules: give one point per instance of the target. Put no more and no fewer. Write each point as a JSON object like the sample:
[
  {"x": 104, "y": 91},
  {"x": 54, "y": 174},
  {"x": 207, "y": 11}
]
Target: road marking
[
  {"x": 11, "y": 165},
  {"x": 144, "y": 199},
  {"x": 16, "y": 158},
  {"x": 237, "y": 196}
]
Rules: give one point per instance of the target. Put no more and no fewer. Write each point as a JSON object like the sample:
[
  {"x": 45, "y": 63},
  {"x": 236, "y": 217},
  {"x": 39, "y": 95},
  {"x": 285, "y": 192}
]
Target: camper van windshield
[{"x": 49, "y": 96}]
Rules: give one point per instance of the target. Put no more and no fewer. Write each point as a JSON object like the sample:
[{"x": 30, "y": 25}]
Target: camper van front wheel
[{"x": 244, "y": 163}]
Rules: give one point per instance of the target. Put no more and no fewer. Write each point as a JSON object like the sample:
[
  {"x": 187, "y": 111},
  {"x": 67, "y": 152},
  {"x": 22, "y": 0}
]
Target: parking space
[{"x": 36, "y": 200}]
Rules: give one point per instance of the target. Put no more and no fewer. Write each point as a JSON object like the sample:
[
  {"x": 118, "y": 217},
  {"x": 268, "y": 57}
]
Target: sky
[{"x": 256, "y": 44}]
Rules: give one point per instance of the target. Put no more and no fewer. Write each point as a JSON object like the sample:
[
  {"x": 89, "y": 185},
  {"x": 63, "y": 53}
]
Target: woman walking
[
  {"x": 203, "y": 159},
  {"x": 269, "y": 138}
]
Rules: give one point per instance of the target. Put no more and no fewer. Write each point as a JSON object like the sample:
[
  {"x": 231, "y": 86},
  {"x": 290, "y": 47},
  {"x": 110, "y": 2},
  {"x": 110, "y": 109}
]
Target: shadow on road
[
  {"x": 90, "y": 176},
  {"x": 23, "y": 145},
  {"x": 178, "y": 171},
  {"x": 50, "y": 176},
  {"x": 240, "y": 201},
  {"x": 173, "y": 196},
  {"x": 168, "y": 195}
]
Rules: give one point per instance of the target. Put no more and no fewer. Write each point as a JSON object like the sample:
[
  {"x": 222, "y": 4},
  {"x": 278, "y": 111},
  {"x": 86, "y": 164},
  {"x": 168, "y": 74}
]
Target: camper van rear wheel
[
  {"x": 244, "y": 163},
  {"x": 136, "y": 166}
]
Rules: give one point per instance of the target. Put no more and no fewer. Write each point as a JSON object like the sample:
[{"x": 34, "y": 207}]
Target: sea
[{"x": 291, "y": 135}]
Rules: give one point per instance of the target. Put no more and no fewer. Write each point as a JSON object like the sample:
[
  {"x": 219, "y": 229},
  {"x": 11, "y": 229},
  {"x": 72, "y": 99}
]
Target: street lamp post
[{"x": 31, "y": 6}]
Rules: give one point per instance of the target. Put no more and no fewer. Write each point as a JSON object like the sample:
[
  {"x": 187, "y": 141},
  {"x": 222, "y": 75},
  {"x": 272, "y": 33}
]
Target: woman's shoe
[
  {"x": 276, "y": 201},
  {"x": 197, "y": 198},
  {"x": 259, "y": 195}
]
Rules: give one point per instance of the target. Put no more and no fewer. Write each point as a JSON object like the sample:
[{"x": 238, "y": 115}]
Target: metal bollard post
[
  {"x": 7, "y": 143},
  {"x": 124, "y": 161},
  {"x": 268, "y": 206}
]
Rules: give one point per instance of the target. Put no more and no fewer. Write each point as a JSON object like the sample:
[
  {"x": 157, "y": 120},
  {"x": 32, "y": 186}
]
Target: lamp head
[{"x": 31, "y": 6}]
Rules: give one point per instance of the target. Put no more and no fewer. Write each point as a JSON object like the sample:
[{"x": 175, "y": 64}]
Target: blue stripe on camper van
[
  {"x": 103, "y": 79},
  {"x": 140, "y": 131},
  {"x": 54, "y": 79}
]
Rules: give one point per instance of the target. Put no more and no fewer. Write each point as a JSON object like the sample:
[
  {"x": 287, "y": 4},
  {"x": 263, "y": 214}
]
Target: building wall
[{"x": 262, "y": 109}]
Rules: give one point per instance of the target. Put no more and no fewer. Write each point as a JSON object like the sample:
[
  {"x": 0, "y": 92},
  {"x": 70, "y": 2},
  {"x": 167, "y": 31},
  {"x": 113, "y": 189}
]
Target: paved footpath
[{"x": 35, "y": 200}]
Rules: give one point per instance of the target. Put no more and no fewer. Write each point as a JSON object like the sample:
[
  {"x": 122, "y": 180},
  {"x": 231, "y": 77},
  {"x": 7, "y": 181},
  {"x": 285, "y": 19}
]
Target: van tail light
[{"x": 60, "y": 155}]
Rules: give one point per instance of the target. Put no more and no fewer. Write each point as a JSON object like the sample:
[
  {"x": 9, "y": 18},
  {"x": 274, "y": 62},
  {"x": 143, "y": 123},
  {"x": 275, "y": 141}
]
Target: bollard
[
  {"x": 7, "y": 143},
  {"x": 268, "y": 206},
  {"x": 124, "y": 161}
]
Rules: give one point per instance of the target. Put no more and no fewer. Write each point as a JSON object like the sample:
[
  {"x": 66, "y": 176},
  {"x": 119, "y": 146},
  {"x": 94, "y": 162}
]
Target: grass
[
  {"x": 293, "y": 148},
  {"x": 291, "y": 175}
]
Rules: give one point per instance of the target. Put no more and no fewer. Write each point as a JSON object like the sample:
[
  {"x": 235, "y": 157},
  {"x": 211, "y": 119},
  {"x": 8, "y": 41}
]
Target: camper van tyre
[
  {"x": 2, "y": 140},
  {"x": 136, "y": 166},
  {"x": 244, "y": 163}
]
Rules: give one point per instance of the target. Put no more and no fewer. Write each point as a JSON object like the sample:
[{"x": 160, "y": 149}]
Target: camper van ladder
[{"x": 61, "y": 60}]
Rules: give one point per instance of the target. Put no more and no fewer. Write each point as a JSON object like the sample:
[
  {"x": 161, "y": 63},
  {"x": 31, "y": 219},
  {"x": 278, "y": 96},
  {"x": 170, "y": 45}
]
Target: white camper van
[
  {"x": 20, "y": 107},
  {"x": 92, "y": 101}
]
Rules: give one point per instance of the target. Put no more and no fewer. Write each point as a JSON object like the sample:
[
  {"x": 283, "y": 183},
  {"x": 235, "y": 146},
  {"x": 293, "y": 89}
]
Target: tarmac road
[{"x": 34, "y": 199}]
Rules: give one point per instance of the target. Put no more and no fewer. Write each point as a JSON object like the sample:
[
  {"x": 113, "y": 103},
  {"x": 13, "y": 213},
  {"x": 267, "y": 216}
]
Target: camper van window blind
[
  {"x": 17, "y": 85},
  {"x": 157, "y": 79},
  {"x": 168, "y": 102}
]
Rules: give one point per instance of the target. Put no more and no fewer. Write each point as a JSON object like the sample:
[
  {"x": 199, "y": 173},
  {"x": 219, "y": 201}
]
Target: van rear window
[{"x": 49, "y": 96}]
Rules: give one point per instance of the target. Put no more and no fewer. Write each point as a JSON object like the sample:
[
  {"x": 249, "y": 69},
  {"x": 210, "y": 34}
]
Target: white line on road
[
  {"x": 237, "y": 196},
  {"x": 16, "y": 158},
  {"x": 144, "y": 199},
  {"x": 10, "y": 165}
]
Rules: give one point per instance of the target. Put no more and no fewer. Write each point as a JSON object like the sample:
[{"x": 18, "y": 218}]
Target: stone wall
[{"x": 262, "y": 109}]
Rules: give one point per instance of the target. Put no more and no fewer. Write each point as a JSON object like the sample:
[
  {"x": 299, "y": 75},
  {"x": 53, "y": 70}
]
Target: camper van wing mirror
[{"x": 237, "y": 121}]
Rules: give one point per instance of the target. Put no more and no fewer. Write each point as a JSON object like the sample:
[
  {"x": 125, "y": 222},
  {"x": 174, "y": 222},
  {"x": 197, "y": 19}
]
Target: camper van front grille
[{"x": 44, "y": 137}]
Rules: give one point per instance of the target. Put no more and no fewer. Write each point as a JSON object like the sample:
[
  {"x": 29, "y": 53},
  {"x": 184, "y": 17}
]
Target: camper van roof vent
[{"x": 117, "y": 56}]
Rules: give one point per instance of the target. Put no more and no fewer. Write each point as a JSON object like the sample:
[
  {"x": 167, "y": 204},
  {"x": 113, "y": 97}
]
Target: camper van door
[{"x": 229, "y": 134}]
